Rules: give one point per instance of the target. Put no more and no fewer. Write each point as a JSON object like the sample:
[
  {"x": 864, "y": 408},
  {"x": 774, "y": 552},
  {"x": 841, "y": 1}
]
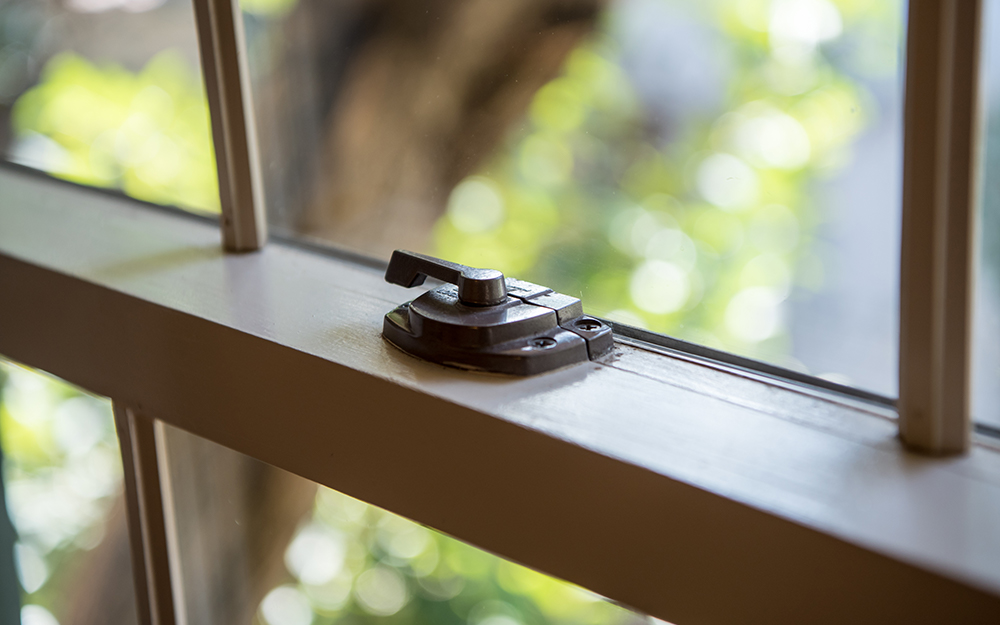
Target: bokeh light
[
  {"x": 62, "y": 475},
  {"x": 286, "y": 605},
  {"x": 350, "y": 562},
  {"x": 684, "y": 148}
]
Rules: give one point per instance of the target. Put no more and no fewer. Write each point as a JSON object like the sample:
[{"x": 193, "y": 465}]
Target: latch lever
[{"x": 476, "y": 287}]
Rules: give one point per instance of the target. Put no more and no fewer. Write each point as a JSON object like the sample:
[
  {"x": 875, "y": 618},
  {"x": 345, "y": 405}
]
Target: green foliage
[
  {"x": 61, "y": 472},
  {"x": 354, "y": 563},
  {"x": 267, "y": 8},
  {"x": 702, "y": 236},
  {"x": 146, "y": 133}
]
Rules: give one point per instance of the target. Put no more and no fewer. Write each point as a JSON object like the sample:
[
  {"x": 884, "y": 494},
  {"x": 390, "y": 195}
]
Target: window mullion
[
  {"x": 227, "y": 84},
  {"x": 147, "y": 523},
  {"x": 939, "y": 197}
]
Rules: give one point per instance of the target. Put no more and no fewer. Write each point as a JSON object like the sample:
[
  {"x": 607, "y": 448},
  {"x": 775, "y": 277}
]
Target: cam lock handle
[
  {"x": 488, "y": 323},
  {"x": 476, "y": 287}
]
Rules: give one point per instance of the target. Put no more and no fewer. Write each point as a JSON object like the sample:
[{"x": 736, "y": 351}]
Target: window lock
[{"x": 483, "y": 321}]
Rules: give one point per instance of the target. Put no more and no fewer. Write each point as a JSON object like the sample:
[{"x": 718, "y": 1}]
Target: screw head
[
  {"x": 588, "y": 325},
  {"x": 543, "y": 342}
]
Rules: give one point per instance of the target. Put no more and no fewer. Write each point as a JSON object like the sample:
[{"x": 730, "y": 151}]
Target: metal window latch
[{"x": 483, "y": 321}]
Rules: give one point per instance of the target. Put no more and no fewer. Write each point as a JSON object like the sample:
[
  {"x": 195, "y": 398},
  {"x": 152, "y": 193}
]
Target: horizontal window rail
[
  {"x": 681, "y": 489},
  {"x": 677, "y": 347}
]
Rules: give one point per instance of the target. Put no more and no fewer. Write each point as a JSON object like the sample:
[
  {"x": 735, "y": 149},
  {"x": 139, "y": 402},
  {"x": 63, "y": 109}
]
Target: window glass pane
[
  {"x": 62, "y": 481},
  {"x": 108, "y": 93},
  {"x": 727, "y": 172},
  {"x": 986, "y": 319},
  {"x": 257, "y": 544}
]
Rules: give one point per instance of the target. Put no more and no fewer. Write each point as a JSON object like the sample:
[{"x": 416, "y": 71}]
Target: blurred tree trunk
[{"x": 413, "y": 97}]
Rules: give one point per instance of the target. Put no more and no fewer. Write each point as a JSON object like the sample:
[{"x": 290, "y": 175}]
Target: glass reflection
[
  {"x": 62, "y": 478},
  {"x": 725, "y": 171}
]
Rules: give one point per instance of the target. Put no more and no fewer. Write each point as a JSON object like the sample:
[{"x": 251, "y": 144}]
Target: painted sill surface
[{"x": 659, "y": 482}]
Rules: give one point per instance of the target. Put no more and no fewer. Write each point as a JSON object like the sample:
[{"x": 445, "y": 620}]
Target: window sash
[
  {"x": 942, "y": 120},
  {"x": 684, "y": 479},
  {"x": 659, "y": 482}
]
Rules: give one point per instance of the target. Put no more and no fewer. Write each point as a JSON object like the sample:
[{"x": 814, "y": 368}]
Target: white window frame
[{"x": 693, "y": 490}]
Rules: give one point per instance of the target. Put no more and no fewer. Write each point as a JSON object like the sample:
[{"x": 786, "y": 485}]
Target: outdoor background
[{"x": 727, "y": 172}]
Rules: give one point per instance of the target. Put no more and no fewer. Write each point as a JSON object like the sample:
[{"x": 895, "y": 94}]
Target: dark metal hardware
[
  {"x": 484, "y": 321},
  {"x": 476, "y": 287}
]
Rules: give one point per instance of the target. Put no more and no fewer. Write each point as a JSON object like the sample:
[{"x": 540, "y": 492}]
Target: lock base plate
[{"x": 533, "y": 331}]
